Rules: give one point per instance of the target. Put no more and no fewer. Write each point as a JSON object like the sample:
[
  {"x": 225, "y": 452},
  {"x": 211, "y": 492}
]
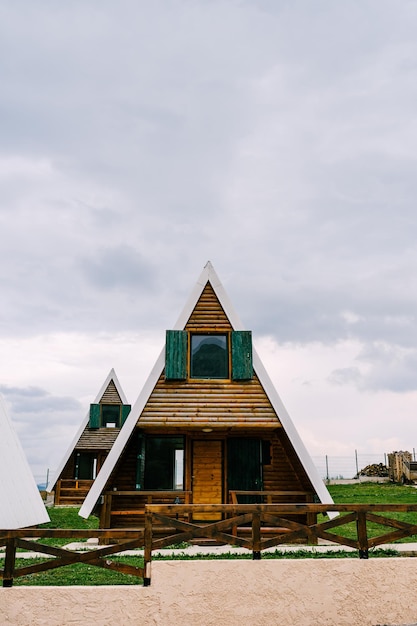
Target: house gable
[
  {"x": 93, "y": 439},
  {"x": 164, "y": 406},
  {"x": 208, "y": 402}
]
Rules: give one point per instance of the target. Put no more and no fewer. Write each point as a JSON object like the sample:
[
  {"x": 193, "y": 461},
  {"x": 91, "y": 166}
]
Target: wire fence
[{"x": 332, "y": 467}]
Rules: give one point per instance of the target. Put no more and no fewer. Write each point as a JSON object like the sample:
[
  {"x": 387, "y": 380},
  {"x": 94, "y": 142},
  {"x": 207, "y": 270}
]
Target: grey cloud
[
  {"x": 36, "y": 400},
  {"x": 43, "y": 422},
  {"x": 385, "y": 368},
  {"x": 120, "y": 267},
  {"x": 345, "y": 375},
  {"x": 275, "y": 139}
]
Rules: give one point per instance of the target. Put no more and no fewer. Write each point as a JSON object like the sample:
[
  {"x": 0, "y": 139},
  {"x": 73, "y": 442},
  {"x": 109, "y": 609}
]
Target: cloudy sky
[{"x": 276, "y": 138}]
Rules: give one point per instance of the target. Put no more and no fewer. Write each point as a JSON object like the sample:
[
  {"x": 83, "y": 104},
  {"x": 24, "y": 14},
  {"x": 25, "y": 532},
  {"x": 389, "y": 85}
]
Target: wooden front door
[{"x": 207, "y": 476}]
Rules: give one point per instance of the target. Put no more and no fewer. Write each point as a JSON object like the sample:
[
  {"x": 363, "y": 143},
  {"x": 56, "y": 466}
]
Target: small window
[
  {"x": 110, "y": 415},
  {"x": 164, "y": 463},
  {"x": 209, "y": 356}
]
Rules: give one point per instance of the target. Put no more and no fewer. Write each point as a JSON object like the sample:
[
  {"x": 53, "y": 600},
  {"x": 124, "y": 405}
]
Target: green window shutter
[
  {"x": 94, "y": 416},
  {"x": 125, "y": 412},
  {"x": 176, "y": 355},
  {"x": 242, "y": 368}
]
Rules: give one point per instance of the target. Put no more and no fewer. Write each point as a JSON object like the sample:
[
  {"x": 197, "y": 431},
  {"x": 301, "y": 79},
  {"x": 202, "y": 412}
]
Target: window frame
[
  {"x": 205, "y": 333},
  {"x": 143, "y": 461},
  {"x": 119, "y": 419}
]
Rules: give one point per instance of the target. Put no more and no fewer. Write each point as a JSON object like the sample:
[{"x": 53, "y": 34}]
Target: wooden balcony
[
  {"x": 71, "y": 492},
  {"x": 126, "y": 509}
]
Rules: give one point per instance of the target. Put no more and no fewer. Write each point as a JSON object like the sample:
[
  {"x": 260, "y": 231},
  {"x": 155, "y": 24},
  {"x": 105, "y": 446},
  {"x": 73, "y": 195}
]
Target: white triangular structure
[
  {"x": 21, "y": 504},
  {"x": 208, "y": 275},
  {"x": 111, "y": 377}
]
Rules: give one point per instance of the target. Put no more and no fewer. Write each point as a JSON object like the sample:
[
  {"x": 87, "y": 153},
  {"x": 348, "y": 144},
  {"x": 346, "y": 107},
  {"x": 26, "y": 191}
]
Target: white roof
[
  {"x": 21, "y": 504},
  {"x": 111, "y": 377},
  {"x": 207, "y": 275}
]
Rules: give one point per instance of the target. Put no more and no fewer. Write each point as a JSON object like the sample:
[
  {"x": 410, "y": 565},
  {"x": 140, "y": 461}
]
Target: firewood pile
[{"x": 375, "y": 469}]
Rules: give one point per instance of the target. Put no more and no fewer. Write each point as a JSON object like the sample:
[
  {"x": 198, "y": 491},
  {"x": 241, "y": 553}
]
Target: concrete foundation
[{"x": 336, "y": 592}]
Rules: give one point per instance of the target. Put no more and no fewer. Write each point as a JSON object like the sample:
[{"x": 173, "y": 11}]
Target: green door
[
  {"x": 85, "y": 466},
  {"x": 244, "y": 467}
]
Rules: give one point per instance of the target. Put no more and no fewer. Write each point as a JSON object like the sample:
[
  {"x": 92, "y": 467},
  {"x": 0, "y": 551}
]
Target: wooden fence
[{"x": 255, "y": 527}]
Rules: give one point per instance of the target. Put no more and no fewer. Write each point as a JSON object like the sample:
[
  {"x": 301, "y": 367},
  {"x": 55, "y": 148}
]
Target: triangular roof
[
  {"x": 208, "y": 275},
  {"x": 21, "y": 504},
  {"x": 110, "y": 377}
]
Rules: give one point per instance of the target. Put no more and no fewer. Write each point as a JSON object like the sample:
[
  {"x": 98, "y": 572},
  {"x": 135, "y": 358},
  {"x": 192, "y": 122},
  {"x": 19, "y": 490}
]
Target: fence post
[
  {"x": 362, "y": 535},
  {"x": 356, "y": 461},
  {"x": 9, "y": 563},
  {"x": 327, "y": 468},
  {"x": 256, "y": 536},
  {"x": 147, "y": 554}
]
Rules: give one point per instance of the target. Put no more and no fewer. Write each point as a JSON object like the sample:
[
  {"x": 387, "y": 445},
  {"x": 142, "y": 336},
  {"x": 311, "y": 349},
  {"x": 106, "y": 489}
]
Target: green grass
[
  {"x": 76, "y": 574},
  {"x": 67, "y": 517},
  {"x": 278, "y": 554},
  {"x": 85, "y": 574},
  {"x": 373, "y": 493},
  {"x": 376, "y": 493}
]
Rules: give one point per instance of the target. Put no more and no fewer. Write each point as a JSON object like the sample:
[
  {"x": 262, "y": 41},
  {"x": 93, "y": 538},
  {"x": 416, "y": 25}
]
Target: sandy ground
[{"x": 336, "y": 592}]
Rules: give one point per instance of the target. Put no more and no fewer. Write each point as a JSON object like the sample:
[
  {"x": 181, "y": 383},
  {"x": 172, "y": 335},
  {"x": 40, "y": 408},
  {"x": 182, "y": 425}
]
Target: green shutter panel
[
  {"x": 176, "y": 355},
  {"x": 125, "y": 412},
  {"x": 242, "y": 368},
  {"x": 94, "y": 416}
]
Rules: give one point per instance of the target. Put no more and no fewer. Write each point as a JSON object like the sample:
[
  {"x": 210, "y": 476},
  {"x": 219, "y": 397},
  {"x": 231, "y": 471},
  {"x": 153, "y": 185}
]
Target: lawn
[
  {"x": 83, "y": 574},
  {"x": 376, "y": 493}
]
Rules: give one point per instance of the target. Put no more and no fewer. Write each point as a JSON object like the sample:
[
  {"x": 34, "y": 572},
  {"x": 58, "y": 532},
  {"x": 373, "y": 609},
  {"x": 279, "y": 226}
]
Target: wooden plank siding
[
  {"x": 221, "y": 403},
  {"x": 111, "y": 395},
  {"x": 208, "y": 314}
]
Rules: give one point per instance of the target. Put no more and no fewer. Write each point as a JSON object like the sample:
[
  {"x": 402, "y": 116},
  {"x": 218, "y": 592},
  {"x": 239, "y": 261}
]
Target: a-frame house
[
  {"x": 208, "y": 426},
  {"x": 91, "y": 445},
  {"x": 20, "y": 500}
]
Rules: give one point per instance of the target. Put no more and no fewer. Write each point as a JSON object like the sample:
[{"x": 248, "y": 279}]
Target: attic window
[
  {"x": 110, "y": 415},
  {"x": 209, "y": 356}
]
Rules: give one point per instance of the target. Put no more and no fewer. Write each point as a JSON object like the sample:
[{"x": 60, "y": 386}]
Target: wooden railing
[
  {"x": 255, "y": 527},
  {"x": 127, "y": 508},
  {"x": 271, "y": 527},
  {"x": 13, "y": 539},
  {"x": 270, "y": 497},
  {"x": 71, "y": 491}
]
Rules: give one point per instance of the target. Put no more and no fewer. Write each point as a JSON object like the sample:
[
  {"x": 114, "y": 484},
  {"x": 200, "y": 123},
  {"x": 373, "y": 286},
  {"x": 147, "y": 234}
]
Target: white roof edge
[
  {"x": 21, "y": 502},
  {"x": 122, "y": 438},
  {"x": 208, "y": 274},
  {"x": 291, "y": 431},
  {"x": 110, "y": 376}
]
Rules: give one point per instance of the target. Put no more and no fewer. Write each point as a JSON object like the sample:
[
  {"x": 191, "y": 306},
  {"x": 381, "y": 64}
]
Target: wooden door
[{"x": 207, "y": 474}]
